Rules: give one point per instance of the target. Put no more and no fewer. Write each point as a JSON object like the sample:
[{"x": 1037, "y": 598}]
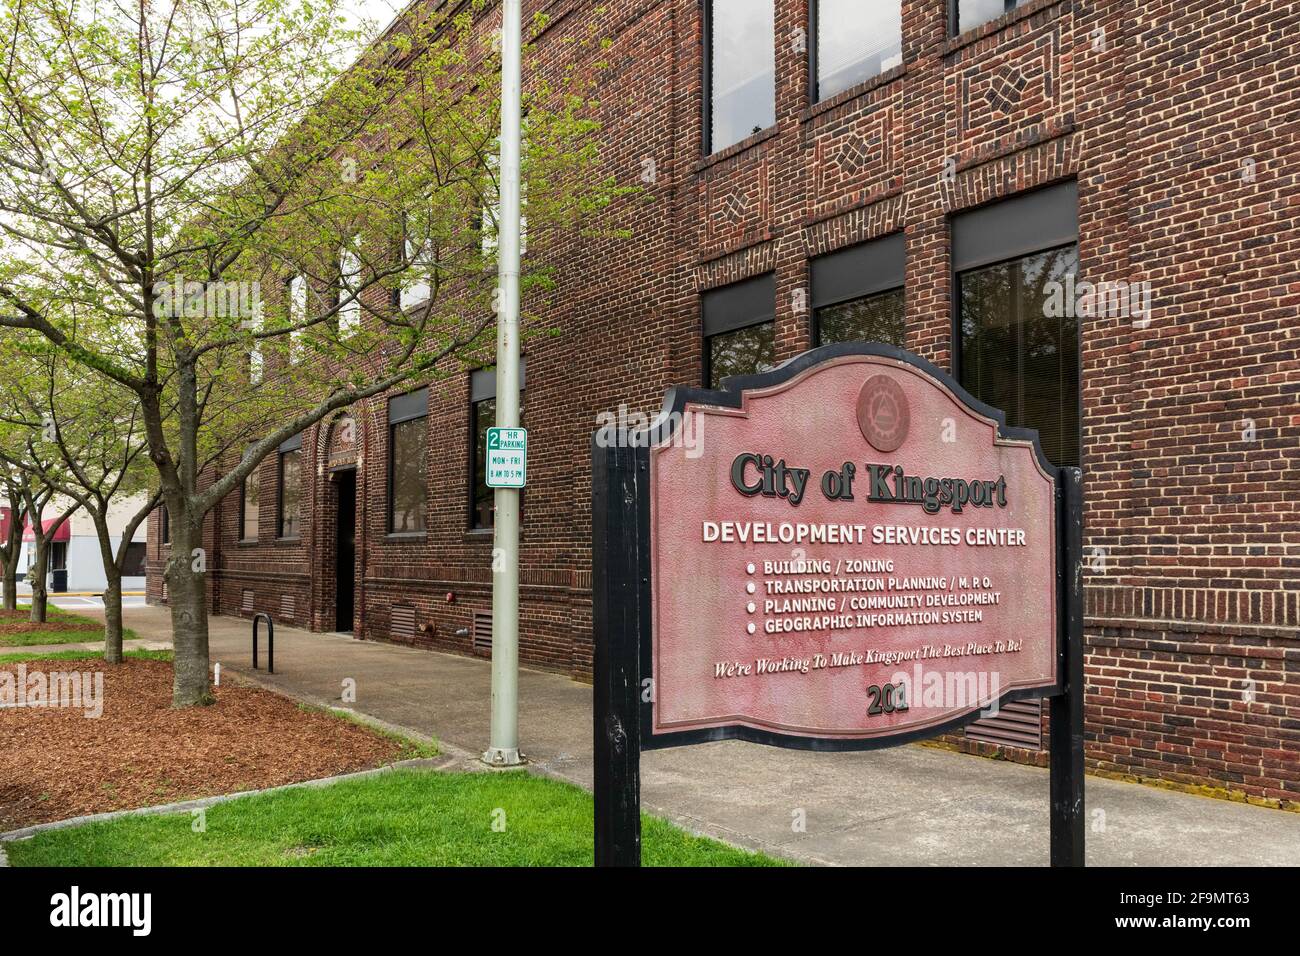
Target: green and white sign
[{"x": 507, "y": 457}]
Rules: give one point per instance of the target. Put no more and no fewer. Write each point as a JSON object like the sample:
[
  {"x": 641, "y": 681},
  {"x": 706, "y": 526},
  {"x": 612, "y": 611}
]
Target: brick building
[{"x": 949, "y": 175}]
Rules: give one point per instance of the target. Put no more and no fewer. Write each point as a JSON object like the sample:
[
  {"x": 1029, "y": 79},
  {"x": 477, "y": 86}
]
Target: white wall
[{"x": 85, "y": 567}]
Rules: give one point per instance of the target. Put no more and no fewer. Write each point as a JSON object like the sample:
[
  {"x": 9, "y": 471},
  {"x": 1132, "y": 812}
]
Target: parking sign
[{"x": 507, "y": 457}]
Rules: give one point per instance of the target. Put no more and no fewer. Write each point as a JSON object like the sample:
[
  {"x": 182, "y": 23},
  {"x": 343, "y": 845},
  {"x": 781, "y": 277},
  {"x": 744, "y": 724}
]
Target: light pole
[{"x": 503, "y": 746}]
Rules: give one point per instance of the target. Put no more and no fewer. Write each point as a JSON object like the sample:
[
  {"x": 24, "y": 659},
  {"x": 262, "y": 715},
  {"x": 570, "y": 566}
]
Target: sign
[
  {"x": 849, "y": 551},
  {"x": 853, "y": 553},
  {"x": 507, "y": 457}
]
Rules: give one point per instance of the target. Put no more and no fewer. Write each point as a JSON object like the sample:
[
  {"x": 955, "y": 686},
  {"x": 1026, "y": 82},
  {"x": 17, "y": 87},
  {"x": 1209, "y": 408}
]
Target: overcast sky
[{"x": 381, "y": 11}]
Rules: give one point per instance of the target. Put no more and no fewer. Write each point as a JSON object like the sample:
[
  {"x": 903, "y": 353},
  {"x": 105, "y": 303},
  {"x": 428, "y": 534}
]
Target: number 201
[{"x": 886, "y": 698}]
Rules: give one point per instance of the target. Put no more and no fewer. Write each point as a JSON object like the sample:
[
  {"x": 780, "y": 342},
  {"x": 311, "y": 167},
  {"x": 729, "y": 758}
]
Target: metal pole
[
  {"x": 1066, "y": 730},
  {"x": 503, "y": 748}
]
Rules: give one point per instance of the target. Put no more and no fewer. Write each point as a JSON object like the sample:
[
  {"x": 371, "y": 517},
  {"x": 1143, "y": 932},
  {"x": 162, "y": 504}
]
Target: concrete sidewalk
[{"x": 905, "y": 805}]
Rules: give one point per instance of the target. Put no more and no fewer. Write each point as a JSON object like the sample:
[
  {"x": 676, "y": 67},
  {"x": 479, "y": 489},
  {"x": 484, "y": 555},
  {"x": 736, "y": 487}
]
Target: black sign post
[{"x": 621, "y": 595}]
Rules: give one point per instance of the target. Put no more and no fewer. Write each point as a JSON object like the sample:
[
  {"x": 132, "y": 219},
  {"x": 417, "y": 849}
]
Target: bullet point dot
[
  {"x": 750, "y": 569},
  {"x": 750, "y": 587},
  {"x": 752, "y": 607},
  {"x": 751, "y": 629}
]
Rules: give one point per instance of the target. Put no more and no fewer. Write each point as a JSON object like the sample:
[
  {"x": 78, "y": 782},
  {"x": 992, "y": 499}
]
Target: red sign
[{"x": 855, "y": 551}]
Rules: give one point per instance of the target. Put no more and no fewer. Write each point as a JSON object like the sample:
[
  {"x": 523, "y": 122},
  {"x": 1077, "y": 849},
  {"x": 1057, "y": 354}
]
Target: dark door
[
  {"x": 59, "y": 567},
  {"x": 346, "y": 551}
]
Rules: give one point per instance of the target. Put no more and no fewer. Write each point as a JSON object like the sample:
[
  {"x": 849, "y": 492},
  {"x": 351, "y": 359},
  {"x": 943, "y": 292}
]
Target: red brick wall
[{"x": 1179, "y": 122}]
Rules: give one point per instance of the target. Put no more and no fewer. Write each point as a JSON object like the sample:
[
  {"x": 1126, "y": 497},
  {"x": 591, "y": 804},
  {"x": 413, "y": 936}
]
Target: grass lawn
[
  {"x": 402, "y": 818},
  {"x": 19, "y": 657},
  {"x": 61, "y": 627}
]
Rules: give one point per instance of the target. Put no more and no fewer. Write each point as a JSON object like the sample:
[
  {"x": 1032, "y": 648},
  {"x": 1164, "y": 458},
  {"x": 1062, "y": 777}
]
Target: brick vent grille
[
  {"x": 483, "y": 633},
  {"x": 403, "y": 623},
  {"x": 1018, "y": 724}
]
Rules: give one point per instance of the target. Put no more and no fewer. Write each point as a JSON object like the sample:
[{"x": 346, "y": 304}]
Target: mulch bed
[
  {"x": 56, "y": 763},
  {"x": 17, "y": 622}
]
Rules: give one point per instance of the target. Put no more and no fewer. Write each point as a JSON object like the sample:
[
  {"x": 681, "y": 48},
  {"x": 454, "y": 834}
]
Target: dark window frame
[
  {"x": 817, "y": 310},
  {"x": 1050, "y": 212},
  {"x": 814, "y": 77},
  {"x": 1036, "y": 200},
  {"x": 734, "y": 317},
  {"x": 958, "y": 357},
  {"x": 418, "y": 402},
  {"x": 954, "y": 16},
  {"x": 886, "y": 257},
  {"x": 129, "y": 565},
  {"x": 706, "y": 80},
  {"x": 243, "y": 506},
  {"x": 288, "y": 447},
  {"x": 166, "y": 529}
]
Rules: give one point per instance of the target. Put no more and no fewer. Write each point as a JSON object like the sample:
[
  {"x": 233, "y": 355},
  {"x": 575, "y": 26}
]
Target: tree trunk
[
  {"x": 187, "y": 595},
  {"x": 39, "y": 571},
  {"x": 113, "y": 619},
  {"x": 11, "y": 584}
]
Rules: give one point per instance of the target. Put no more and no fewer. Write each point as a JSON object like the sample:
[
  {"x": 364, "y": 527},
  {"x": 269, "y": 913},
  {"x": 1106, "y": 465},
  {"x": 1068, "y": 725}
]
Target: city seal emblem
[{"x": 883, "y": 414}]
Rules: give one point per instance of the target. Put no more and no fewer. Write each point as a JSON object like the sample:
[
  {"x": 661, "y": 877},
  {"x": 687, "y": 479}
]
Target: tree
[
  {"x": 80, "y": 435},
  {"x": 165, "y": 160},
  {"x": 11, "y": 485}
]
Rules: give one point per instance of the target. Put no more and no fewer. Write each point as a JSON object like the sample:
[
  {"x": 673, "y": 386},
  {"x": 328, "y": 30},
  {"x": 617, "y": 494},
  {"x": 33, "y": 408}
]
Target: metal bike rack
[{"x": 270, "y": 641}]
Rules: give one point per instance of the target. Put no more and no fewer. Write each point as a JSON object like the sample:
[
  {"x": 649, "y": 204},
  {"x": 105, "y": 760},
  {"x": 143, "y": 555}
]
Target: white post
[{"x": 503, "y": 747}]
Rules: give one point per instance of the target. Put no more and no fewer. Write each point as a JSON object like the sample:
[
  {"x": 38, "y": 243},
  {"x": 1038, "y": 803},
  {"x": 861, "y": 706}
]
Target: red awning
[{"x": 62, "y": 533}]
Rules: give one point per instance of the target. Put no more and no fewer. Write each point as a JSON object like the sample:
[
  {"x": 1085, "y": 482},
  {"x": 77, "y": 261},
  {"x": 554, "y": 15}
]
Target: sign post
[
  {"x": 847, "y": 552},
  {"x": 503, "y": 745}
]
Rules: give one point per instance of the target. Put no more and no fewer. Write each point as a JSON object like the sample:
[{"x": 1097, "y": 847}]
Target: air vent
[
  {"x": 483, "y": 633},
  {"x": 403, "y": 622},
  {"x": 164, "y": 591},
  {"x": 288, "y": 604},
  {"x": 246, "y": 602},
  {"x": 1018, "y": 724}
]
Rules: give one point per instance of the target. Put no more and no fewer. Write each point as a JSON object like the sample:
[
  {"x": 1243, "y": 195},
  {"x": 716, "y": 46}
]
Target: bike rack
[{"x": 270, "y": 641}]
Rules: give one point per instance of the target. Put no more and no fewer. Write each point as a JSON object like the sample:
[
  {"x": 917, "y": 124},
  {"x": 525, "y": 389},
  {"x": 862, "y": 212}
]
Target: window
[
  {"x": 416, "y": 290},
  {"x": 166, "y": 526},
  {"x": 133, "y": 565},
  {"x": 1018, "y": 351},
  {"x": 854, "y": 42},
  {"x": 857, "y": 293},
  {"x": 296, "y": 294},
  {"x": 740, "y": 65},
  {"x": 349, "y": 314},
  {"x": 256, "y": 363},
  {"x": 739, "y": 329},
  {"x": 968, "y": 14},
  {"x": 248, "y": 507},
  {"x": 290, "y": 488},
  {"x": 482, "y": 416},
  {"x": 407, "y": 432}
]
